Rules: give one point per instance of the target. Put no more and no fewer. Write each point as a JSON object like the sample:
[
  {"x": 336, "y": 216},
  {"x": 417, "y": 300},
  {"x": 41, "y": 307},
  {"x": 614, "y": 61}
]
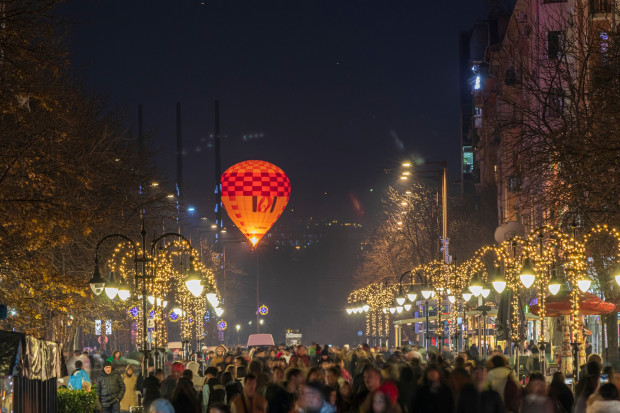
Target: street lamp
[
  {"x": 555, "y": 284},
  {"x": 112, "y": 289},
  {"x": 97, "y": 282},
  {"x": 476, "y": 286},
  {"x": 123, "y": 291},
  {"x": 193, "y": 282},
  {"x": 412, "y": 295},
  {"x": 527, "y": 274},
  {"x": 486, "y": 290},
  {"x": 426, "y": 291},
  {"x": 499, "y": 282},
  {"x": 584, "y": 283}
]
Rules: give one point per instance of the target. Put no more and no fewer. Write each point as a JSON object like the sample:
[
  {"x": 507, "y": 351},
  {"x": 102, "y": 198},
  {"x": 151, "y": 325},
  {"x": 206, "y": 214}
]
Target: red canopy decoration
[
  {"x": 560, "y": 304},
  {"x": 255, "y": 194}
]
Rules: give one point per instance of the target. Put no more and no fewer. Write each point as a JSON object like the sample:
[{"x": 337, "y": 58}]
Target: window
[
  {"x": 554, "y": 44},
  {"x": 600, "y": 6},
  {"x": 555, "y": 103},
  {"x": 468, "y": 159}
]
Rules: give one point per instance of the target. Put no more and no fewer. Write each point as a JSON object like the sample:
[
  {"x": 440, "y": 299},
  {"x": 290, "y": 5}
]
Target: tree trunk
[{"x": 611, "y": 324}]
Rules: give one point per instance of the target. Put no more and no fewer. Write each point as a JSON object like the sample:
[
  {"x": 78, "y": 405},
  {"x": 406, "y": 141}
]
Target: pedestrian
[
  {"x": 536, "y": 399},
  {"x": 249, "y": 401},
  {"x": 197, "y": 380},
  {"x": 282, "y": 398},
  {"x": 608, "y": 401},
  {"x": 110, "y": 389},
  {"x": 79, "y": 379},
  {"x": 502, "y": 379},
  {"x": 184, "y": 397},
  {"x": 433, "y": 396},
  {"x": 72, "y": 360},
  {"x": 587, "y": 385},
  {"x": 213, "y": 390},
  {"x": 532, "y": 365},
  {"x": 151, "y": 388},
  {"x": 116, "y": 356},
  {"x": 161, "y": 406},
  {"x": 473, "y": 352},
  {"x": 168, "y": 385},
  {"x": 560, "y": 394},
  {"x": 232, "y": 386},
  {"x": 130, "y": 399}
]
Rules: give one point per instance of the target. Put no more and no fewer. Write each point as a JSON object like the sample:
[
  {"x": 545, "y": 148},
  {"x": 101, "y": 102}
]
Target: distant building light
[
  {"x": 155, "y": 184},
  {"x": 170, "y": 196},
  {"x": 191, "y": 209}
]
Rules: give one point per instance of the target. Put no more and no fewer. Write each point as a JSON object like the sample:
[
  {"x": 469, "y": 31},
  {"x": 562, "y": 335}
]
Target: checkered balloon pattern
[{"x": 255, "y": 194}]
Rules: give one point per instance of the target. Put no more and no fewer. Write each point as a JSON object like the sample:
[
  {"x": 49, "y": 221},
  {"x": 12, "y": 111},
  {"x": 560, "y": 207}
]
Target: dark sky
[{"x": 336, "y": 90}]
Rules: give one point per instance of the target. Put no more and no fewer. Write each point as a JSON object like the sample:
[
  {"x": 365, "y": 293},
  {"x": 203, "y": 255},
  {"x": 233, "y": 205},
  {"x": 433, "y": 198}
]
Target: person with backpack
[
  {"x": 213, "y": 390},
  {"x": 79, "y": 377}
]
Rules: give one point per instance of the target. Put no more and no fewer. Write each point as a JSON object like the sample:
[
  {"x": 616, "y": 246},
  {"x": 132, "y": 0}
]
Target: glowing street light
[
  {"x": 527, "y": 274},
  {"x": 584, "y": 283},
  {"x": 499, "y": 283},
  {"x": 476, "y": 287}
]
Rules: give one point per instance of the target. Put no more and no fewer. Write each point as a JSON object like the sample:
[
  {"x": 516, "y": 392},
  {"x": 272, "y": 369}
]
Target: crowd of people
[{"x": 324, "y": 379}]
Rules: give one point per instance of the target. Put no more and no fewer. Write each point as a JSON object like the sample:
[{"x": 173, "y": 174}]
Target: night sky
[{"x": 333, "y": 92}]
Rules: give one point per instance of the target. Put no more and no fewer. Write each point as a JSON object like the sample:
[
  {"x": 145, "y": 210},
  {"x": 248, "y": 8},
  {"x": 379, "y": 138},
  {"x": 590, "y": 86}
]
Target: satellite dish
[{"x": 509, "y": 230}]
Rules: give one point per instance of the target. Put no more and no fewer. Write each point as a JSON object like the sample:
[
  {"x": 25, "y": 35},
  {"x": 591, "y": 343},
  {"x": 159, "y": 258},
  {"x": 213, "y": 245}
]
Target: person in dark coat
[
  {"x": 473, "y": 352},
  {"x": 151, "y": 388},
  {"x": 407, "y": 388},
  {"x": 433, "y": 396},
  {"x": 110, "y": 389},
  {"x": 475, "y": 397},
  {"x": 560, "y": 394},
  {"x": 184, "y": 397},
  {"x": 168, "y": 385}
]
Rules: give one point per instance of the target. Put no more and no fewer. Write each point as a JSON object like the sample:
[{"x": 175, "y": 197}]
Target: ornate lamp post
[{"x": 98, "y": 284}]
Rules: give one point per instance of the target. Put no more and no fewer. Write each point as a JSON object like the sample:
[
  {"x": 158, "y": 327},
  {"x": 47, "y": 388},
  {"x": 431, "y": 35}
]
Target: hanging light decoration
[{"x": 467, "y": 296}]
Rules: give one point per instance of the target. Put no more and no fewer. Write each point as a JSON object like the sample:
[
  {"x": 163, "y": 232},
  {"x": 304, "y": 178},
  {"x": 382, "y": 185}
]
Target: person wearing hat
[{"x": 110, "y": 389}]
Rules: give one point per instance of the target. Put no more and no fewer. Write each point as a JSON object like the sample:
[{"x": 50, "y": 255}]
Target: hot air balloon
[{"x": 255, "y": 194}]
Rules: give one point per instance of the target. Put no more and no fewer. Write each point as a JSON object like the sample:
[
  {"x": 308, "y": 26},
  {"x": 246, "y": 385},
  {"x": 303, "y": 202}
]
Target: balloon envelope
[{"x": 255, "y": 194}]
